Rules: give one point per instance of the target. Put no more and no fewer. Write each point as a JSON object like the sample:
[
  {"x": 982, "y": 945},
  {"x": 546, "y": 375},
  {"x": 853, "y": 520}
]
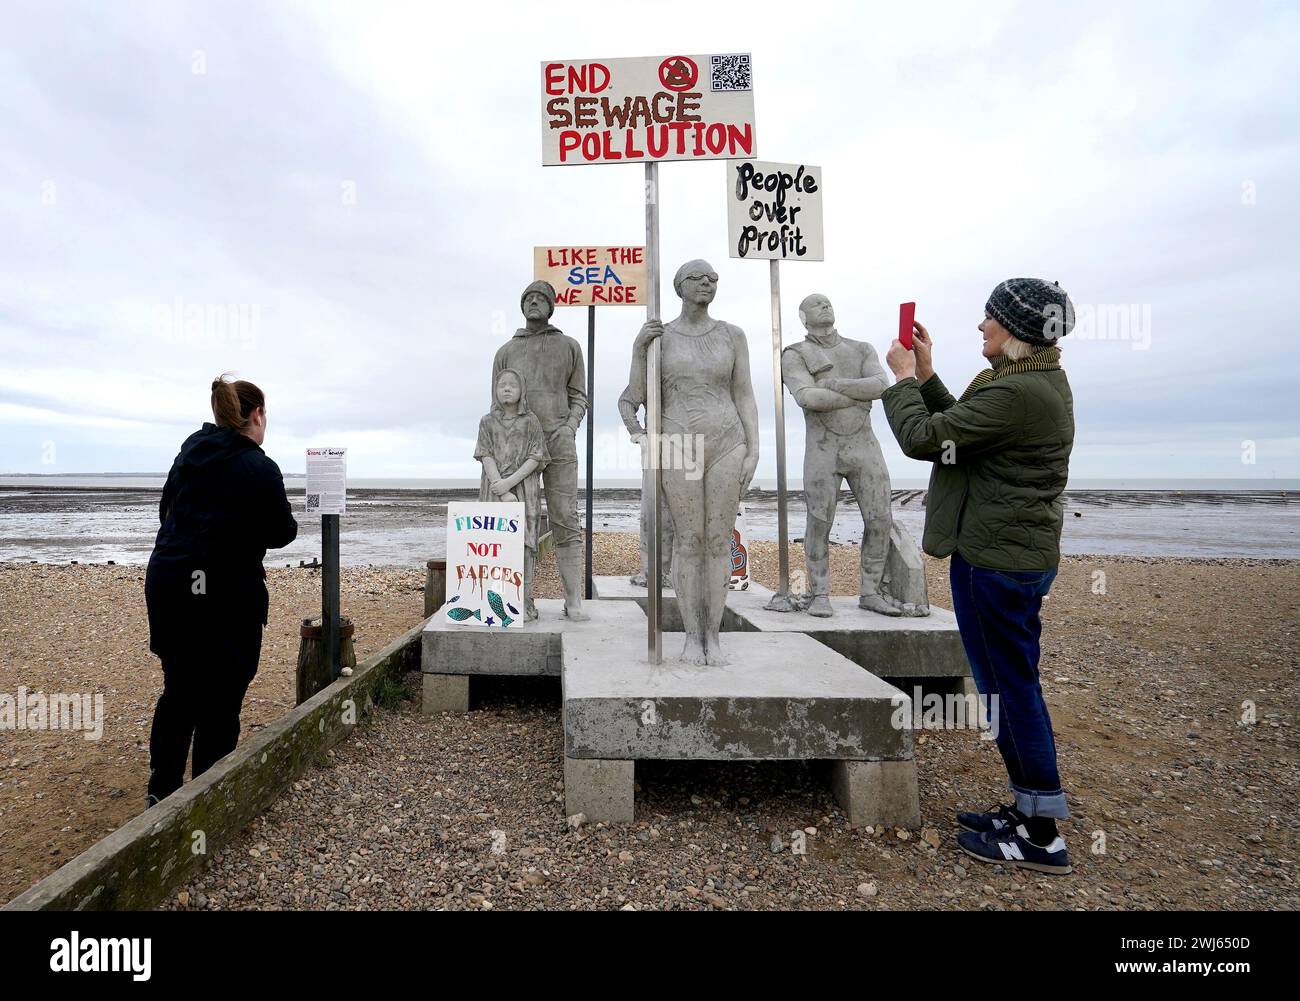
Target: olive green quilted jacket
[{"x": 1001, "y": 457}]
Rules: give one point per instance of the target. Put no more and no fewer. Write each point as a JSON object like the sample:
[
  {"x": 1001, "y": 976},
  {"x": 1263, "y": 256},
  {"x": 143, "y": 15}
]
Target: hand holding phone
[{"x": 906, "y": 317}]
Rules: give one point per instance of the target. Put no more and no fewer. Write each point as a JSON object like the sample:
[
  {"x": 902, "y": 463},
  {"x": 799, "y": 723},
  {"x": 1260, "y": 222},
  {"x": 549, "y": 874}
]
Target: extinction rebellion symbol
[{"x": 678, "y": 73}]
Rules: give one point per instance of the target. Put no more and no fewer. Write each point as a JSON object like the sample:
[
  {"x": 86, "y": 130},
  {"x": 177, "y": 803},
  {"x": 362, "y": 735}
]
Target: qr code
[
  {"x": 313, "y": 502},
  {"x": 731, "y": 72}
]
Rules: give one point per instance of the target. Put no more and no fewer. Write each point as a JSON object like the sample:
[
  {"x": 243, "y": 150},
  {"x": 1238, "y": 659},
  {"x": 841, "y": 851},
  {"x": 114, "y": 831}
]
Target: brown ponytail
[{"x": 233, "y": 401}]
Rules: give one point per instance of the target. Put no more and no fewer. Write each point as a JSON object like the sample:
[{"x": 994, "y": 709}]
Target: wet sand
[{"x": 404, "y": 527}]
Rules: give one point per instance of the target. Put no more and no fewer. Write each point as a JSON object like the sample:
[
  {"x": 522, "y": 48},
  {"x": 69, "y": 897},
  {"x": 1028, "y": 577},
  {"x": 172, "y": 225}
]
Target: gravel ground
[
  {"x": 1177, "y": 803},
  {"x": 83, "y": 629}
]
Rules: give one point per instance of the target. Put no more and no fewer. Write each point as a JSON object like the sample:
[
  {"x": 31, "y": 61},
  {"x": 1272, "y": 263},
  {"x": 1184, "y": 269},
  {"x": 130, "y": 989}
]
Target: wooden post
[
  {"x": 312, "y": 673},
  {"x": 435, "y": 586}
]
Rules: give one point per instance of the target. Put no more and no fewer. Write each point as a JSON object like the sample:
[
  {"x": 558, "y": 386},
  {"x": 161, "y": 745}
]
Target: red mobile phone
[{"x": 906, "y": 316}]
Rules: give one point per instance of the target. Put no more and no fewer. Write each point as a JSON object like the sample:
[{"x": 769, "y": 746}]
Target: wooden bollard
[
  {"x": 435, "y": 586},
  {"x": 313, "y": 672}
]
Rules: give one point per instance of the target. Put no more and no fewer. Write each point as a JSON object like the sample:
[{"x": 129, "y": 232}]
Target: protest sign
[
  {"x": 774, "y": 211},
  {"x": 327, "y": 481},
  {"x": 485, "y": 564},
  {"x": 738, "y": 579},
  {"x": 327, "y": 495},
  {"x": 774, "y": 214},
  {"x": 593, "y": 276},
  {"x": 647, "y": 109}
]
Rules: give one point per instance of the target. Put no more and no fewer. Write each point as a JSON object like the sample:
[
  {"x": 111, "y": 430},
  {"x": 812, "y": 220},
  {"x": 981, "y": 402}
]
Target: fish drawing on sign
[
  {"x": 499, "y": 607},
  {"x": 461, "y": 613}
]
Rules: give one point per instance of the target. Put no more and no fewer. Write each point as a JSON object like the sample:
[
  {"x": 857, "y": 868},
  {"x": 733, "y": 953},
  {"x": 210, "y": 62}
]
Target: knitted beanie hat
[
  {"x": 1035, "y": 311},
  {"x": 542, "y": 286}
]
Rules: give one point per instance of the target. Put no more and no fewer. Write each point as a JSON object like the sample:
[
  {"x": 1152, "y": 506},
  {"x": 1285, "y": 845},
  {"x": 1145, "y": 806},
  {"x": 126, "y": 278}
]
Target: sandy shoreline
[
  {"x": 400, "y": 528},
  {"x": 1146, "y": 684}
]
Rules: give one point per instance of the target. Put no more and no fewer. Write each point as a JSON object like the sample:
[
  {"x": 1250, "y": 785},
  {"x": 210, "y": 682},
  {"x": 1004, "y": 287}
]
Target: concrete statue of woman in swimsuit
[{"x": 710, "y": 419}]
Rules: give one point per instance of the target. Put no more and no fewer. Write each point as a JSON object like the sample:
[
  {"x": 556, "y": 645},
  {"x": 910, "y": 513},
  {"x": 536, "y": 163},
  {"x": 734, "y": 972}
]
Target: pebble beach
[{"x": 1178, "y": 801}]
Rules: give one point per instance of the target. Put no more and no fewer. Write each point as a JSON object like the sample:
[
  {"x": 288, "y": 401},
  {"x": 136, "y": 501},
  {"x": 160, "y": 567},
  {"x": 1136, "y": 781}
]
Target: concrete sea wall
[{"x": 140, "y": 863}]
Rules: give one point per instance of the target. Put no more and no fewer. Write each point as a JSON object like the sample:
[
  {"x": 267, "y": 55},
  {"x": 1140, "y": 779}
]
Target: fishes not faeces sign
[{"x": 485, "y": 564}]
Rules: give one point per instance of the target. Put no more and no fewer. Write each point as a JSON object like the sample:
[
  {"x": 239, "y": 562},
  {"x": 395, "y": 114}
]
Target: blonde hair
[
  {"x": 1014, "y": 349},
  {"x": 233, "y": 400}
]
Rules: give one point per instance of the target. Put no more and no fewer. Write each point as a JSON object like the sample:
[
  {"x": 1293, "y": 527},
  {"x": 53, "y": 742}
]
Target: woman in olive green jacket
[{"x": 1001, "y": 457}]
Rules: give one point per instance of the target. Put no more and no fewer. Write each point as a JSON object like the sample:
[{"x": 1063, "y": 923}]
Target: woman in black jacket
[{"x": 222, "y": 508}]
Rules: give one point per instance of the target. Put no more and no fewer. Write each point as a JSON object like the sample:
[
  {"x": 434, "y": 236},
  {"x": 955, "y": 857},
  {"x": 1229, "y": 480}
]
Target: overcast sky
[{"x": 366, "y": 179}]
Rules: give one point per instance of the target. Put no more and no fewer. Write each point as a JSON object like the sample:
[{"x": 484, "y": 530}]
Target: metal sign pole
[
  {"x": 654, "y": 639},
  {"x": 591, "y": 432},
  {"x": 329, "y": 583},
  {"x": 780, "y": 601}
]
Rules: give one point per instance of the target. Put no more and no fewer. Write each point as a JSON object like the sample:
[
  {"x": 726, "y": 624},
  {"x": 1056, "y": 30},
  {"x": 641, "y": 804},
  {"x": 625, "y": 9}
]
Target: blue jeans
[{"x": 997, "y": 614}]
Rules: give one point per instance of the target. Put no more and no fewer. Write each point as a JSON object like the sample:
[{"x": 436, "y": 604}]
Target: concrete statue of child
[
  {"x": 512, "y": 448},
  {"x": 551, "y": 364},
  {"x": 710, "y": 416},
  {"x": 629, "y": 403},
  {"x": 834, "y": 380}
]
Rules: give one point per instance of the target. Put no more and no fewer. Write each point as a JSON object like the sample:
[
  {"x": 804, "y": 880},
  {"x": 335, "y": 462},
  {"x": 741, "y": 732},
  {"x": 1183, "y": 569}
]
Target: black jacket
[{"x": 222, "y": 508}]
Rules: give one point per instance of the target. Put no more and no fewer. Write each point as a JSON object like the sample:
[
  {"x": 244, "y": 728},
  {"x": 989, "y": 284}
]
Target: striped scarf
[{"x": 1039, "y": 361}]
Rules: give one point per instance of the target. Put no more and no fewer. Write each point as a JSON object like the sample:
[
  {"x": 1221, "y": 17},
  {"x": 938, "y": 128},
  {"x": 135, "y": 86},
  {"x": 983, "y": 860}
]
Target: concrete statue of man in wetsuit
[
  {"x": 551, "y": 362},
  {"x": 834, "y": 380}
]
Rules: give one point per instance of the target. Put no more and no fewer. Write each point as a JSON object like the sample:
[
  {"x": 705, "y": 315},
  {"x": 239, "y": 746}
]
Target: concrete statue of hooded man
[{"x": 551, "y": 362}]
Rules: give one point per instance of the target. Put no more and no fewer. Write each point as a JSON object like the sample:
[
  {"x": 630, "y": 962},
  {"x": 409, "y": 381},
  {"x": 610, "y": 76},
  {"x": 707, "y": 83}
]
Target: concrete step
[
  {"x": 892, "y": 648},
  {"x": 781, "y": 697}
]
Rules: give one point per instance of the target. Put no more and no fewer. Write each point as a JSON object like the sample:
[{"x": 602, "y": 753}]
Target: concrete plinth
[
  {"x": 601, "y": 790},
  {"x": 622, "y": 589},
  {"x": 445, "y": 693},
  {"x": 877, "y": 792},
  {"x": 457, "y": 650},
  {"x": 781, "y": 698},
  {"x": 891, "y": 648}
]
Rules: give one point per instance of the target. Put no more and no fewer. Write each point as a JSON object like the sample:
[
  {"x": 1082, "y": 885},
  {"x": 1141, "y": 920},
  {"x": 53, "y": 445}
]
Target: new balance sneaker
[
  {"x": 994, "y": 820},
  {"x": 1011, "y": 846}
]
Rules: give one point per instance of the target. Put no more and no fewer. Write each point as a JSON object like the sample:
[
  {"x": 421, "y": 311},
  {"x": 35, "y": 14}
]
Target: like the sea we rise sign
[{"x": 593, "y": 276}]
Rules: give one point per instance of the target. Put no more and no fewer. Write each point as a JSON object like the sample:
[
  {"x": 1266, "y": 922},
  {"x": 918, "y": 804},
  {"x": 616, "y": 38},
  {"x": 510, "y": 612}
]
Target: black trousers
[{"x": 203, "y": 692}]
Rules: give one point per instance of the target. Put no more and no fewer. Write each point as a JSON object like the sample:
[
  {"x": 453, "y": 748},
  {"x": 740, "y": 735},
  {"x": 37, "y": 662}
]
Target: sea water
[{"x": 94, "y": 519}]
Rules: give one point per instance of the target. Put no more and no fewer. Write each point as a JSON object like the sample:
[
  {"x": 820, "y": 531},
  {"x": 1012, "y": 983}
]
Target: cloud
[{"x": 365, "y": 183}]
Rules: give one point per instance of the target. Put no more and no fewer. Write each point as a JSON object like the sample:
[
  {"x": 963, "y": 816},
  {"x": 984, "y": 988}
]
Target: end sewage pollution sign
[{"x": 646, "y": 109}]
